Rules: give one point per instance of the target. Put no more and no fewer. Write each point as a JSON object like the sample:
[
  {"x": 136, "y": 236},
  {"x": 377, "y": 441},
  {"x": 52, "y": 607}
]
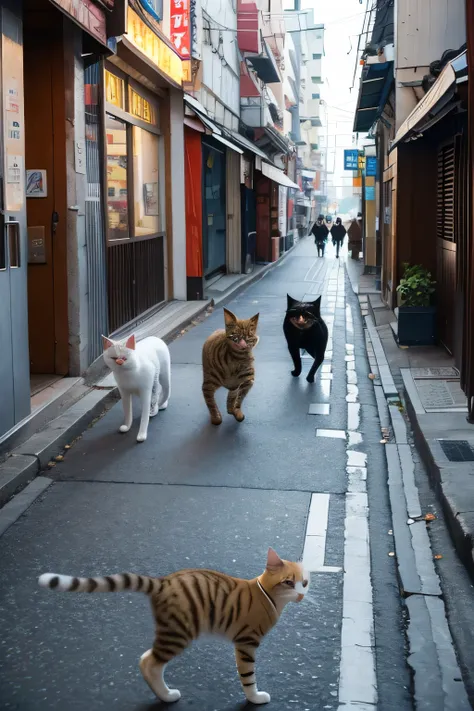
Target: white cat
[{"x": 142, "y": 369}]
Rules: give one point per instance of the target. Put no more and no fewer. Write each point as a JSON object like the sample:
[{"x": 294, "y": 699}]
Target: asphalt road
[{"x": 196, "y": 495}]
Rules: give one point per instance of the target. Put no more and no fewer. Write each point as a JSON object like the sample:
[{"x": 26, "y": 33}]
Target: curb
[
  {"x": 32, "y": 457},
  {"x": 460, "y": 533}
]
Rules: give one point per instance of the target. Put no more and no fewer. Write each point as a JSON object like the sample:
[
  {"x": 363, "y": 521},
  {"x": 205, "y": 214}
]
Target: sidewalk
[
  {"x": 37, "y": 443},
  {"x": 428, "y": 382}
]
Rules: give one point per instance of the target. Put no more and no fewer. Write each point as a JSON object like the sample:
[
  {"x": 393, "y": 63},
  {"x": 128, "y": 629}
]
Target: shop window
[
  {"x": 145, "y": 182},
  {"x": 114, "y": 90},
  {"x": 134, "y": 198},
  {"x": 117, "y": 178}
]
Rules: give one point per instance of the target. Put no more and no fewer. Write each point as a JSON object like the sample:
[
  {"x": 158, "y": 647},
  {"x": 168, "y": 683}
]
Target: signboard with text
[
  {"x": 369, "y": 192},
  {"x": 371, "y": 166},
  {"x": 180, "y": 27},
  {"x": 351, "y": 159}
]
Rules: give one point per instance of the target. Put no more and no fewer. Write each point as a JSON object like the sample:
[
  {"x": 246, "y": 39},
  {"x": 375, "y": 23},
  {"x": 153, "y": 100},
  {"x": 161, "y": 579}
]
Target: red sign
[{"x": 180, "y": 27}]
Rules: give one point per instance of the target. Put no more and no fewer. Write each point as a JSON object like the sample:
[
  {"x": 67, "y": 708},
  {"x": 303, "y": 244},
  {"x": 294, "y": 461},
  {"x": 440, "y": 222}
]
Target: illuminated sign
[
  {"x": 180, "y": 27},
  {"x": 157, "y": 51},
  {"x": 351, "y": 159}
]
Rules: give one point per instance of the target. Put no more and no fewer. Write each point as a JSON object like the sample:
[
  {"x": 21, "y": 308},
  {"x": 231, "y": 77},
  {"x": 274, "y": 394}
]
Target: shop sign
[
  {"x": 282, "y": 205},
  {"x": 180, "y": 27},
  {"x": 351, "y": 159},
  {"x": 369, "y": 192},
  {"x": 88, "y": 15},
  {"x": 371, "y": 166},
  {"x": 157, "y": 51}
]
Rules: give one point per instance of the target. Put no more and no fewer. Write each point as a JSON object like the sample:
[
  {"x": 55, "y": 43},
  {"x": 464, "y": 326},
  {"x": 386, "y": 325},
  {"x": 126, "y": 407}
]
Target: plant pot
[{"x": 417, "y": 325}]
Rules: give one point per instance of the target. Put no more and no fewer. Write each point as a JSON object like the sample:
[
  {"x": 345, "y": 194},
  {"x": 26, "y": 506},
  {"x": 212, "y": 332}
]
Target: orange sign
[{"x": 180, "y": 27}]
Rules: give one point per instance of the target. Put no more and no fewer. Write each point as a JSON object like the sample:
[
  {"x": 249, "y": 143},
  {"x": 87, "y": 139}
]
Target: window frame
[{"x": 130, "y": 121}]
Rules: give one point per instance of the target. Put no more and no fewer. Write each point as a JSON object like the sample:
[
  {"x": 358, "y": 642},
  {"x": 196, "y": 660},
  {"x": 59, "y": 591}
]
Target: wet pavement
[{"x": 198, "y": 496}]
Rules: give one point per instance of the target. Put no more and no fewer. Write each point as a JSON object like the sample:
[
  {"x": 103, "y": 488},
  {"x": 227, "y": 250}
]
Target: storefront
[
  {"x": 272, "y": 186},
  {"x": 143, "y": 174},
  {"x": 44, "y": 322}
]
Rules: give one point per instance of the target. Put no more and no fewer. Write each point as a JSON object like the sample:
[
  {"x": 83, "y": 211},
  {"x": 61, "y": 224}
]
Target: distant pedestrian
[
  {"x": 338, "y": 233},
  {"x": 320, "y": 232},
  {"x": 355, "y": 237}
]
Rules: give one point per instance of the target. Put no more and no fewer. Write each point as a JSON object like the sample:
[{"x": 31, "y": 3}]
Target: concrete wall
[
  {"x": 76, "y": 192},
  {"x": 220, "y": 89},
  {"x": 424, "y": 29}
]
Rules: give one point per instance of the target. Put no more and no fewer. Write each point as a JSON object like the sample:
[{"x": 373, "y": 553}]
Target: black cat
[{"x": 304, "y": 328}]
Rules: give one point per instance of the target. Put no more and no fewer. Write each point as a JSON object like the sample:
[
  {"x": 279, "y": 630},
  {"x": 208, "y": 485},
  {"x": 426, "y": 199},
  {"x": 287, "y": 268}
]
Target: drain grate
[{"x": 458, "y": 450}]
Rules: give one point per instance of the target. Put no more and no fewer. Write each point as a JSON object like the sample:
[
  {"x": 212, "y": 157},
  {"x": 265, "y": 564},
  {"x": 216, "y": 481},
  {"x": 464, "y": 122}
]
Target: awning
[
  {"x": 245, "y": 143},
  {"x": 436, "y": 103},
  {"x": 212, "y": 127},
  {"x": 373, "y": 93},
  {"x": 278, "y": 176}
]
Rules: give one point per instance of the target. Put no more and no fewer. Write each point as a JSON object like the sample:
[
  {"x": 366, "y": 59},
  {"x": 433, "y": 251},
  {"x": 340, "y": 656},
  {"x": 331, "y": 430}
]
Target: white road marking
[{"x": 316, "y": 531}]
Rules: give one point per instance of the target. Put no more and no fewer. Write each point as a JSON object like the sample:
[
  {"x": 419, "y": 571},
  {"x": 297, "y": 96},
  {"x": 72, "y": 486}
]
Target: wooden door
[
  {"x": 45, "y": 151},
  {"x": 446, "y": 245}
]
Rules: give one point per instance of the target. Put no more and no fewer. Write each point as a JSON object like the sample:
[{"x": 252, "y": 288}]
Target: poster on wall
[
  {"x": 36, "y": 185},
  {"x": 180, "y": 27},
  {"x": 13, "y": 117},
  {"x": 282, "y": 207},
  {"x": 150, "y": 191}
]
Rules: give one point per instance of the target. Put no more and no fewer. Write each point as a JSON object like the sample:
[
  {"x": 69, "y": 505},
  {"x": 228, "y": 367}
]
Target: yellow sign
[{"x": 149, "y": 44}]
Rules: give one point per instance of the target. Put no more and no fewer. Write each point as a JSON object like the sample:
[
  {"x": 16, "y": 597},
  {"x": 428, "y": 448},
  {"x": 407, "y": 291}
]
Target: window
[
  {"x": 316, "y": 80},
  {"x": 134, "y": 209},
  {"x": 314, "y": 146},
  {"x": 315, "y": 96},
  {"x": 317, "y": 56},
  {"x": 117, "y": 182}
]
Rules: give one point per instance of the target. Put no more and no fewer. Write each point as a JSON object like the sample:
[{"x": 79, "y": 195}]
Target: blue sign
[
  {"x": 351, "y": 159},
  {"x": 369, "y": 192},
  {"x": 371, "y": 166}
]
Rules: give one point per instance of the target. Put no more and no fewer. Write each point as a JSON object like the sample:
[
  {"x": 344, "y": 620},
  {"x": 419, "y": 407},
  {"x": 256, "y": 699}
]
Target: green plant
[{"x": 416, "y": 286}]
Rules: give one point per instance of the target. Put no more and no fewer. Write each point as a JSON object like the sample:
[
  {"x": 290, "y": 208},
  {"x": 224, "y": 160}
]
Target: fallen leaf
[
  {"x": 67, "y": 446},
  {"x": 403, "y": 347},
  {"x": 390, "y": 533},
  {"x": 371, "y": 376},
  {"x": 430, "y": 517},
  {"x": 391, "y": 554},
  {"x": 410, "y": 521},
  {"x": 383, "y": 441},
  {"x": 59, "y": 458},
  {"x": 51, "y": 465},
  {"x": 438, "y": 556}
]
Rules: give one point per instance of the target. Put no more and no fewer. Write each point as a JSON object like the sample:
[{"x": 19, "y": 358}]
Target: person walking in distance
[
  {"x": 338, "y": 233},
  {"x": 320, "y": 232}
]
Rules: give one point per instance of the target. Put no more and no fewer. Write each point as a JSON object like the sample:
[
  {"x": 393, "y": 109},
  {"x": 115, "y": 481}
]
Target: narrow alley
[{"x": 295, "y": 475}]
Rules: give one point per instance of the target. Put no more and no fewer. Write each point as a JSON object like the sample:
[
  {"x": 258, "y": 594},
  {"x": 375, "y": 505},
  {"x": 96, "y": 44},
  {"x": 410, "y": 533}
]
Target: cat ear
[
  {"x": 130, "y": 343},
  {"x": 316, "y": 305},
  {"x": 254, "y": 320},
  {"x": 106, "y": 342},
  {"x": 273, "y": 560},
  {"x": 291, "y": 301},
  {"x": 229, "y": 317}
]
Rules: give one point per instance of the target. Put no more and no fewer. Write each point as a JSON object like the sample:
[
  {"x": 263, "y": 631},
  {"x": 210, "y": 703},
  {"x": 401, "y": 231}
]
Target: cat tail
[
  {"x": 165, "y": 376},
  {"x": 108, "y": 583}
]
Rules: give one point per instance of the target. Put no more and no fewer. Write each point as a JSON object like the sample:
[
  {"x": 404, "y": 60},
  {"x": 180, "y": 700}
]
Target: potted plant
[{"x": 416, "y": 314}]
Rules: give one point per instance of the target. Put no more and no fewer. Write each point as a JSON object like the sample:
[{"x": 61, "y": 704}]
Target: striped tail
[{"x": 108, "y": 583}]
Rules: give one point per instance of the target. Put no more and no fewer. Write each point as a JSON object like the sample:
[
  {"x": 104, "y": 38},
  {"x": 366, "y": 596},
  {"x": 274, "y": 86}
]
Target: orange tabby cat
[
  {"x": 190, "y": 603},
  {"x": 227, "y": 361}
]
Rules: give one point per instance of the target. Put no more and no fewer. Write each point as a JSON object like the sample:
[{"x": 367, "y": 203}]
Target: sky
[{"x": 343, "y": 21}]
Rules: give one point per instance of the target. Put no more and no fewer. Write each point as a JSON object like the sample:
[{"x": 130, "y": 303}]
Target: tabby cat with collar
[
  {"x": 305, "y": 329},
  {"x": 227, "y": 361},
  {"x": 190, "y": 603}
]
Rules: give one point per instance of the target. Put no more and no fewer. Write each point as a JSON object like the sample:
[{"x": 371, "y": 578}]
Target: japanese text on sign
[
  {"x": 180, "y": 30},
  {"x": 351, "y": 159},
  {"x": 371, "y": 166}
]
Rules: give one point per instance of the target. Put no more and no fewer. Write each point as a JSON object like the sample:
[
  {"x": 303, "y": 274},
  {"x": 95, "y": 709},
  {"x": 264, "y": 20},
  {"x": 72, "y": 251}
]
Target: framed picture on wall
[
  {"x": 150, "y": 196},
  {"x": 36, "y": 185}
]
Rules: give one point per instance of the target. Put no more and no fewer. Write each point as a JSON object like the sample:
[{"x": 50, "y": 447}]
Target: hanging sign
[
  {"x": 351, "y": 159},
  {"x": 180, "y": 30},
  {"x": 371, "y": 166}
]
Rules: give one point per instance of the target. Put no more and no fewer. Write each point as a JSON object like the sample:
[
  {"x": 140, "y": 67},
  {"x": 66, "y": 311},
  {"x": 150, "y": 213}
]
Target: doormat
[
  {"x": 441, "y": 395},
  {"x": 457, "y": 450},
  {"x": 434, "y": 373}
]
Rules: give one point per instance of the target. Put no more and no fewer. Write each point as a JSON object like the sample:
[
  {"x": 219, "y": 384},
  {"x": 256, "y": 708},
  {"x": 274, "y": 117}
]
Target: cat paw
[
  {"x": 310, "y": 378},
  {"x": 239, "y": 415},
  {"x": 172, "y": 696},
  {"x": 141, "y": 437},
  {"x": 164, "y": 405},
  {"x": 217, "y": 420},
  {"x": 124, "y": 428},
  {"x": 296, "y": 373},
  {"x": 259, "y": 697},
  {"x": 154, "y": 411}
]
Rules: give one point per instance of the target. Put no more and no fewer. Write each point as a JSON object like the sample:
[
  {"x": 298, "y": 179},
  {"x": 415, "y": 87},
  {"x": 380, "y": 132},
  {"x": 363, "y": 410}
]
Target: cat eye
[{"x": 290, "y": 583}]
